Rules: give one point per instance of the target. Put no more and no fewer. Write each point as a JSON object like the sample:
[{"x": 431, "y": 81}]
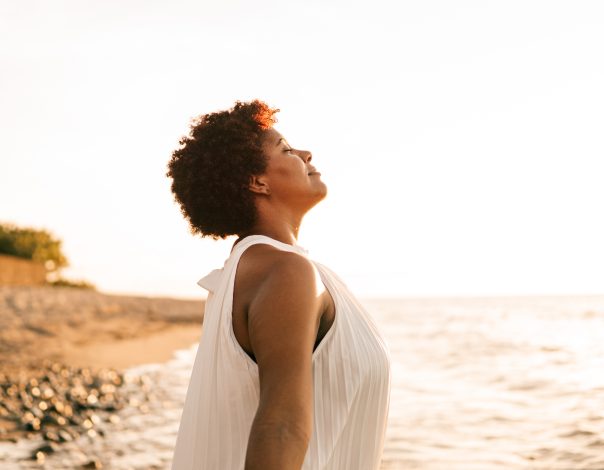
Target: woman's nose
[{"x": 305, "y": 155}]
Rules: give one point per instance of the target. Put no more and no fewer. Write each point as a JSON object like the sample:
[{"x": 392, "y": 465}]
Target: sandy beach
[
  {"x": 90, "y": 329},
  {"x": 63, "y": 352}
]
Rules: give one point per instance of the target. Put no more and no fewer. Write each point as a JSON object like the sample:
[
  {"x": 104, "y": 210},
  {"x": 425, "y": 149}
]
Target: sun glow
[{"x": 460, "y": 159}]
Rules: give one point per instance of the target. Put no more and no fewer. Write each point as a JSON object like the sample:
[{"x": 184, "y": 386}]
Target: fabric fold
[{"x": 211, "y": 281}]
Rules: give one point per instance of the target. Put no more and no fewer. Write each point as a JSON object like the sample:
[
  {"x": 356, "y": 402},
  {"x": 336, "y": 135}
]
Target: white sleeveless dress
[{"x": 351, "y": 380}]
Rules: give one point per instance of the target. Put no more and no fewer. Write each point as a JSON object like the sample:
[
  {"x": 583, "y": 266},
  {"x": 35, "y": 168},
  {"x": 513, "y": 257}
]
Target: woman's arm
[{"x": 283, "y": 320}]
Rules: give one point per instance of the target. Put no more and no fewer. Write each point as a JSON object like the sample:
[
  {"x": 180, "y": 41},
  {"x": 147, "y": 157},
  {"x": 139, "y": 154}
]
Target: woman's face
[{"x": 290, "y": 175}]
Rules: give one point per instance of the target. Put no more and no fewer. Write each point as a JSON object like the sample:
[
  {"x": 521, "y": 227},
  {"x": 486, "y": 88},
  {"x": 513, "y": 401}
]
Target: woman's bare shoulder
[{"x": 261, "y": 259}]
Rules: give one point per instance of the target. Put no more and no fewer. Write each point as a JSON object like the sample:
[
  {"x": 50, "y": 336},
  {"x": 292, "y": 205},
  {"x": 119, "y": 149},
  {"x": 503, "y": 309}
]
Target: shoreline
[
  {"x": 153, "y": 348},
  {"x": 64, "y": 353}
]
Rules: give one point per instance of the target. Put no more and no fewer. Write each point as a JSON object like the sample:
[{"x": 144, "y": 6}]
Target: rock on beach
[{"x": 62, "y": 353}]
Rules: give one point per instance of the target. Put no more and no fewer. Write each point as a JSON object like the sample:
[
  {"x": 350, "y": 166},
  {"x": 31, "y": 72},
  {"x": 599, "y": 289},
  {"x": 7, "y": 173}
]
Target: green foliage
[
  {"x": 29, "y": 243},
  {"x": 67, "y": 283}
]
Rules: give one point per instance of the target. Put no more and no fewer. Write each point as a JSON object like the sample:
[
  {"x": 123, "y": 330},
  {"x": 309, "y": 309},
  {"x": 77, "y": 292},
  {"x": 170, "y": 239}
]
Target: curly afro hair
[{"x": 211, "y": 170}]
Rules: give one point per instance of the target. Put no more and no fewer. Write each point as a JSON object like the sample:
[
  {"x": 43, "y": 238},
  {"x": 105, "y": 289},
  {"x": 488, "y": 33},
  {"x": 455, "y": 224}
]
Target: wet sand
[{"x": 155, "y": 347}]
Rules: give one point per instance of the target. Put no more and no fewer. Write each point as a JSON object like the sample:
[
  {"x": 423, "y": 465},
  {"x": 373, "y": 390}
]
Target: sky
[{"x": 461, "y": 142}]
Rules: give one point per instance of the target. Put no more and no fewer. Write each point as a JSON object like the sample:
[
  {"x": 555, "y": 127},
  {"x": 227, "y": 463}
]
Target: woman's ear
[{"x": 259, "y": 185}]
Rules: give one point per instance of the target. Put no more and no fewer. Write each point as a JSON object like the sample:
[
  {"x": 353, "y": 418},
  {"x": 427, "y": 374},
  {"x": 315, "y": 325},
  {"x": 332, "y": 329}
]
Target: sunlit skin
[
  {"x": 290, "y": 187},
  {"x": 281, "y": 309}
]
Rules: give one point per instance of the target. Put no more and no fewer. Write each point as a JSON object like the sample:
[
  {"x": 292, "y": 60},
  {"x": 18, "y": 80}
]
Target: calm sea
[{"x": 478, "y": 383}]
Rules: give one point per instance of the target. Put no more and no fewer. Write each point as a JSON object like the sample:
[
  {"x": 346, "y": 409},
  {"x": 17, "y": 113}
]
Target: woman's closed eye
[{"x": 288, "y": 150}]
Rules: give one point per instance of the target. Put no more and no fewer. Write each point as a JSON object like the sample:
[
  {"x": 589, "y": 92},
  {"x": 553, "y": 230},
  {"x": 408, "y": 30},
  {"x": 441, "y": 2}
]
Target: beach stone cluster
[
  {"x": 62, "y": 403},
  {"x": 60, "y": 410}
]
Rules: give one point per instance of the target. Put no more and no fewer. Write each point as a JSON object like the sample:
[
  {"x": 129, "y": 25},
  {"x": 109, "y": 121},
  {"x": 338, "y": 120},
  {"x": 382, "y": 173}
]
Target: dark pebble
[
  {"x": 92, "y": 464},
  {"x": 45, "y": 449}
]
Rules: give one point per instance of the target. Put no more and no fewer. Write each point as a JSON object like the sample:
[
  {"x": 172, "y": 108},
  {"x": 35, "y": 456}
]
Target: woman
[{"x": 290, "y": 372}]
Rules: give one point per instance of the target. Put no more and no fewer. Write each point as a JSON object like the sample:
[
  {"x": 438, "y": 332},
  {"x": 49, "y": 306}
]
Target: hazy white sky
[{"x": 461, "y": 142}]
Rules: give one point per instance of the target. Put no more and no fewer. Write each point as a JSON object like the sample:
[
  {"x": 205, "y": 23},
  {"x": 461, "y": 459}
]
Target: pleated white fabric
[{"x": 351, "y": 373}]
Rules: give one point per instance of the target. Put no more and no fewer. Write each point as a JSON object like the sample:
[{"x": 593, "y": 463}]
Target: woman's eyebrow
[{"x": 282, "y": 139}]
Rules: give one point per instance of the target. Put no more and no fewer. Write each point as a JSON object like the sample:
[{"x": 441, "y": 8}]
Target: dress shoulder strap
[
  {"x": 256, "y": 239},
  {"x": 212, "y": 280}
]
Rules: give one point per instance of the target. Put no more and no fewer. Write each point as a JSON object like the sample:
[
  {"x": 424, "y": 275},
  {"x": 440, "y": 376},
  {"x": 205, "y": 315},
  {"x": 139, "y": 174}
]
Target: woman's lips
[{"x": 314, "y": 173}]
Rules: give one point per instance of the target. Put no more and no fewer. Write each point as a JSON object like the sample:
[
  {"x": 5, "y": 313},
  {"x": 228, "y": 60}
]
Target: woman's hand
[{"x": 283, "y": 321}]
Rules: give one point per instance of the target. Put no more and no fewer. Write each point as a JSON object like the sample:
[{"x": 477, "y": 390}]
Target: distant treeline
[
  {"x": 40, "y": 246},
  {"x": 33, "y": 244}
]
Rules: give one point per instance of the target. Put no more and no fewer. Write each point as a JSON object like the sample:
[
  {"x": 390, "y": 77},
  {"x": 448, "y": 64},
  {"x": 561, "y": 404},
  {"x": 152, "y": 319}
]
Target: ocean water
[
  {"x": 477, "y": 383},
  {"x": 509, "y": 383}
]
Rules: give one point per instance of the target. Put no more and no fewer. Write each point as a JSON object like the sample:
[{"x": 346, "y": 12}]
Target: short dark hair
[{"x": 211, "y": 170}]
